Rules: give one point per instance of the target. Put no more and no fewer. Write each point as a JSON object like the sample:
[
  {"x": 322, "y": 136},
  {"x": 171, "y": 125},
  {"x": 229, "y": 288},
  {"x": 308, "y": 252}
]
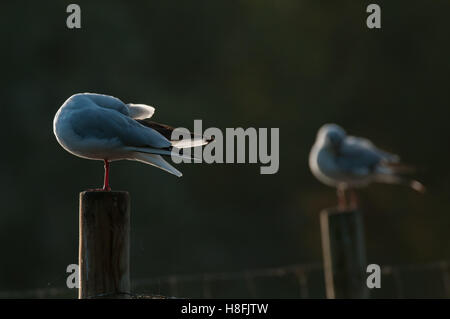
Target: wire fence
[{"x": 430, "y": 280}]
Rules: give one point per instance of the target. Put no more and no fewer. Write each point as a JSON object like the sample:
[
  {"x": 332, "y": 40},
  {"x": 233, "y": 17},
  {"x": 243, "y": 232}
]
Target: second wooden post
[
  {"x": 344, "y": 254},
  {"x": 104, "y": 248}
]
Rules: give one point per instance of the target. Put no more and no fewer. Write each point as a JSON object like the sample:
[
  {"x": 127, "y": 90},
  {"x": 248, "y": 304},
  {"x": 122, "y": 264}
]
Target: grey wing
[
  {"x": 365, "y": 143},
  {"x": 110, "y": 125},
  {"x": 359, "y": 156}
]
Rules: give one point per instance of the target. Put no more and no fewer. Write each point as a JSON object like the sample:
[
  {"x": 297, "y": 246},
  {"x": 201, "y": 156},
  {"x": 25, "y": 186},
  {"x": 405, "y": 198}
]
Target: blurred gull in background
[
  {"x": 348, "y": 162},
  {"x": 102, "y": 127}
]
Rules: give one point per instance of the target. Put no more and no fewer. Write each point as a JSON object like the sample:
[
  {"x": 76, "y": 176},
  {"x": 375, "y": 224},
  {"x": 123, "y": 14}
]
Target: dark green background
[{"x": 289, "y": 64}]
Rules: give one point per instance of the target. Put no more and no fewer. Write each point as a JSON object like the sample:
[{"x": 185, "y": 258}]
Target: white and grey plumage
[
  {"x": 347, "y": 162},
  {"x": 102, "y": 127}
]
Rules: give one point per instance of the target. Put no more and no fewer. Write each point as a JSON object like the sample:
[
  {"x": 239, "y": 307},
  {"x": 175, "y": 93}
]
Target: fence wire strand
[{"x": 300, "y": 273}]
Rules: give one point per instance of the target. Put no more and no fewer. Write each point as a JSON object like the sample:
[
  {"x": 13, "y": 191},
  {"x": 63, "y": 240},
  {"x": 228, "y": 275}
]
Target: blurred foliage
[{"x": 289, "y": 64}]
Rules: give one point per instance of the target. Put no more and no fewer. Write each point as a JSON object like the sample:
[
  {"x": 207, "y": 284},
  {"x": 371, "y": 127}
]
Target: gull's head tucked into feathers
[{"x": 331, "y": 135}]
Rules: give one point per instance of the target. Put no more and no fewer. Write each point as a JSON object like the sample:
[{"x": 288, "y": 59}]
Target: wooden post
[
  {"x": 104, "y": 248},
  {"x": 344, "y": 254}
]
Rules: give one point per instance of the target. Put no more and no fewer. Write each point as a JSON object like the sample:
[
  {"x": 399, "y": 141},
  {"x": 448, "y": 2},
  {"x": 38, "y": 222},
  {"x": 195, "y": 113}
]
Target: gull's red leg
[
  {"x": 106, "y": 183},
  {"x": 354, "y": 202},
  {"x": 342, "y": 200}
]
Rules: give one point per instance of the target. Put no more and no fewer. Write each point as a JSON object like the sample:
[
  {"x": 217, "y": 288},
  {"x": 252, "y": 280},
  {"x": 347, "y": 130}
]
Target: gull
[
  {"x": 102, "y": 127},
  {"x": 349, "y": 162}
]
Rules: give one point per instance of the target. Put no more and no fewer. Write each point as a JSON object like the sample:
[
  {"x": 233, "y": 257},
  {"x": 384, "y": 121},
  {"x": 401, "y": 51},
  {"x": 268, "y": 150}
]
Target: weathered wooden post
[
  {"x": 104, "y": 248},
  {"x": 344, "y": 253}
]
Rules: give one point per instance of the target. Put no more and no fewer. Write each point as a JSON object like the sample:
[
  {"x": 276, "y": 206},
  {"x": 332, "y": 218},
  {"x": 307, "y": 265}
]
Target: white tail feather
[
  {"x": 191, "y": 142},
  {"x": 175, "y": 152},
  {"x": 158, "y": 161}
]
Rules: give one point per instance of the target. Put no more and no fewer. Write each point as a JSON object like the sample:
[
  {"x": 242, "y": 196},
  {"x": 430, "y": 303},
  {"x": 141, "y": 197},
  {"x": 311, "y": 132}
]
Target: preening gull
[
  {"x": 102, "y": 127},
  {"x": 348, "y": 162}
]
